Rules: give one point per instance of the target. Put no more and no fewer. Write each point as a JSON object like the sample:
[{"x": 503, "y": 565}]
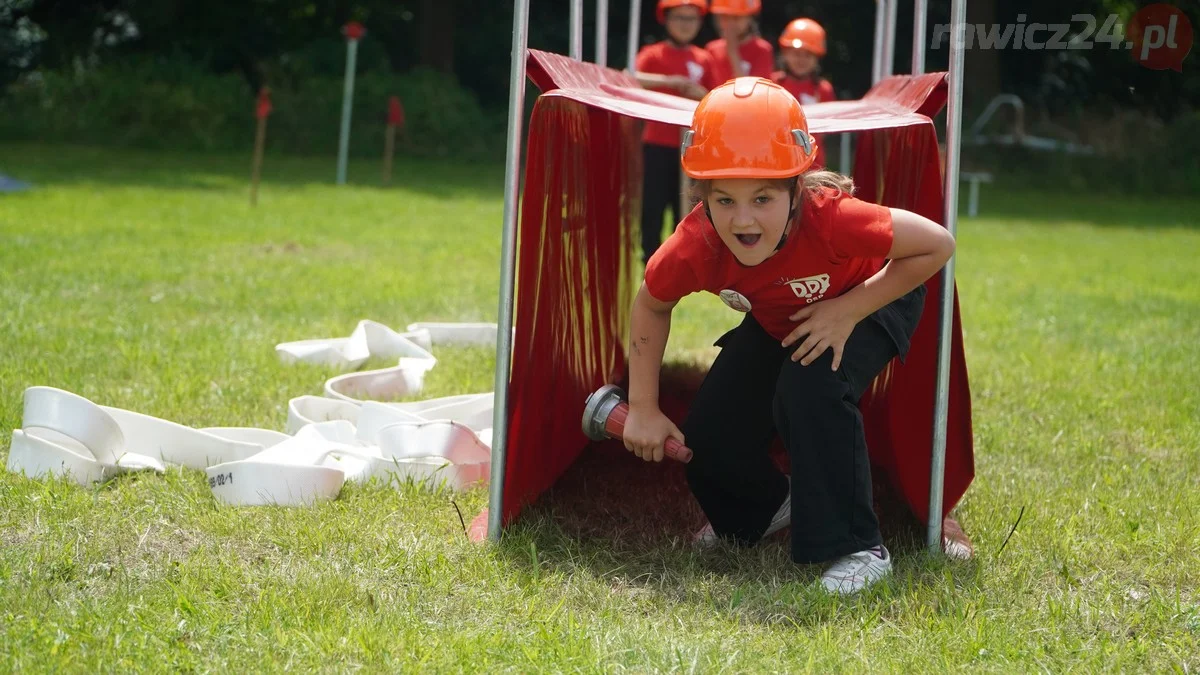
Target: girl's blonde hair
[{"x": 810, "y": 181}]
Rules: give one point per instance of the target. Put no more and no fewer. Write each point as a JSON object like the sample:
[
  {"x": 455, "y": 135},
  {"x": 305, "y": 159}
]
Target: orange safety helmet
[
  {"x": 804, "y": 34},
  {"x": 748, "y": 128},
  {"x": 664, "y": 5},
  {"x": 736, "y": 7}
]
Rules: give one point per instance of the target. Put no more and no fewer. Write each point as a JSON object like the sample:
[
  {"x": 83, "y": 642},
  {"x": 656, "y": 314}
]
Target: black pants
[
  {"x": 754, "y": 391},
  {"x": 660, "y": 191}
]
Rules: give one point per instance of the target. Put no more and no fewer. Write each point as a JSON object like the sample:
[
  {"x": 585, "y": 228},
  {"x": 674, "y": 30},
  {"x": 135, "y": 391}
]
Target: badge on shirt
[
  {"x": 735, "y": 300},
  {"x": 695, "y": 71}
]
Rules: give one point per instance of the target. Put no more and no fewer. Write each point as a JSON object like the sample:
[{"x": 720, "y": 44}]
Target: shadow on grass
[
  {"x": 630, "y": 523},
  {"x": 57, "y": 165}
]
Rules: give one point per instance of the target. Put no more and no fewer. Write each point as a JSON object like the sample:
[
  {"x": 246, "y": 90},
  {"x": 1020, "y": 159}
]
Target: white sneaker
[
  {"x": 705, "y": 536},
  {"x": 856, "y": 571},
  {"x": 783, "y": 517}
]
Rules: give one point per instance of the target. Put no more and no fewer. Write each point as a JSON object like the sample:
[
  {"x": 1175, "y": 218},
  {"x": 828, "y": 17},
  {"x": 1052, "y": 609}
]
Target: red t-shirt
[
  {"x": 664, "y": 58},
  {"x": 806, "y": 91},
  {"x": 757, "y": 53},
  {"x": 838, "y": 243}
]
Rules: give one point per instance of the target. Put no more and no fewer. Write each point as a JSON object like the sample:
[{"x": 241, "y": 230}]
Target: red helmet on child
[
  {"x": 748, "y": 128},
  {"x": 804, "y": 34},
  {"x": 736, "y": 7},
  {"x": 664, "y": 5}
]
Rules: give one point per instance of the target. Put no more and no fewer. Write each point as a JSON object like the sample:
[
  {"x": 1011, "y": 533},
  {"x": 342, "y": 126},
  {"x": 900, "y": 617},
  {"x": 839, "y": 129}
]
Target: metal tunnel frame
[{"x": 882, "y": 66}]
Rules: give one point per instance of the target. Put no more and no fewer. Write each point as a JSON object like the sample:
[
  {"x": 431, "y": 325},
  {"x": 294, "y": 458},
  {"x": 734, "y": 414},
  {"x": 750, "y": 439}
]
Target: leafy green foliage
[{"x": 168, "y": 103}]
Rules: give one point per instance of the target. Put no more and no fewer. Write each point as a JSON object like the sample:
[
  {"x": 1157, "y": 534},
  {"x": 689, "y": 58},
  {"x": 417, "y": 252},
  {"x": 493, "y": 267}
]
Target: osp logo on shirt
[{"x": 810, "y": 289}]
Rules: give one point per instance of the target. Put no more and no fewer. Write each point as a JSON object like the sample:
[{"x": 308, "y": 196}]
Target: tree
[
  {"x": 437, "y": 34},
  {"x": 982, "y": 64}
]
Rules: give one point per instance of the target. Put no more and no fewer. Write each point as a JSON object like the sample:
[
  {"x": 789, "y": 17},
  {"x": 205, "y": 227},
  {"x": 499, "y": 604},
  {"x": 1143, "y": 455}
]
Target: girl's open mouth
[{"x": 748, "y": 240}]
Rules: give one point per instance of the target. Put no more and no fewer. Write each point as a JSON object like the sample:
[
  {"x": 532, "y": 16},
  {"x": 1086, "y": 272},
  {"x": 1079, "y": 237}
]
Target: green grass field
[{"x": 145, "y": 281}]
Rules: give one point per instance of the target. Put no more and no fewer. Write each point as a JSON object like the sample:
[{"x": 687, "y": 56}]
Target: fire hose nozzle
[{"x": 604, "y": 416}]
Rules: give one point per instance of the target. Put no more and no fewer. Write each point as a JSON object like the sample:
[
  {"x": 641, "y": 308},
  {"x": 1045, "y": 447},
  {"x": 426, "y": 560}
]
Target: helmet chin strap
[{"x": 791, "y": 213}]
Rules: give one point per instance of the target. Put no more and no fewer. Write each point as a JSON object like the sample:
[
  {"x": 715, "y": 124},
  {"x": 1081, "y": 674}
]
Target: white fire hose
[{"x": 442, "y": 442}]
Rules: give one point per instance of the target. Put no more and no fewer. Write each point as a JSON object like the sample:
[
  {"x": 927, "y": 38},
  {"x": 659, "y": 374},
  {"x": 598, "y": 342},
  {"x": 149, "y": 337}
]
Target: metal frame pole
[
  {"x": 602, "y": 32},
  {"x": 508, "y": 245},
  {"x": 920, "y": 10},
  {"x": 877, "y": 50},
  {"x": 347, "y": 107},
  {"x": 576, "y": 30},
  {"x": 889, "y": 50},
  {"x": 635, "y": 22},
  {"x": 937, "y": 469}
]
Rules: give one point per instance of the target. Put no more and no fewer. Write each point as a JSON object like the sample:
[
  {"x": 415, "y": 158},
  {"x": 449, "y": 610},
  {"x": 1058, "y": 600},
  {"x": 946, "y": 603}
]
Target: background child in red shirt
[
  {"x": 739, "y": 51},
  {"x": 832, "y": 288},
  {"x": 674, "y": 66},
  {"x": 802, "y": 44}
]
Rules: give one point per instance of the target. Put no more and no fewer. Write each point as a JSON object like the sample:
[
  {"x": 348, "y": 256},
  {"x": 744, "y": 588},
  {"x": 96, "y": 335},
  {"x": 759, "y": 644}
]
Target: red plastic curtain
[{"x": 582, "y": 189}]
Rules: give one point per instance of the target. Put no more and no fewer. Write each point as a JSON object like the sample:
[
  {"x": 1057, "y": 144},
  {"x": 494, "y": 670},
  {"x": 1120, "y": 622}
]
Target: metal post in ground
[
  {"x": 508, "y": 247},
  {"x": 354, "y": 32},
  {"x": 941, "y": 409}
]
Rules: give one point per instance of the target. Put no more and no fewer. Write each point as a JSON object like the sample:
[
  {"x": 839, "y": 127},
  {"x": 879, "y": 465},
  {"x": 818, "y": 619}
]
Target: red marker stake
[
  {"x": 395, "y": 120},
  {"x": 262, "y": 110}
]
